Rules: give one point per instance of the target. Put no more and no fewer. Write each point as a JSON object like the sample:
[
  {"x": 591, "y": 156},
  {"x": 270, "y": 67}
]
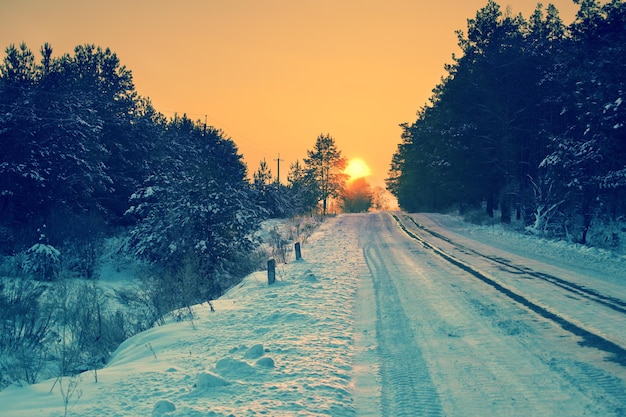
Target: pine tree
[
  {"x": 301, "y": 188},
  {"x": 197, "y": 203},
  {"x": 324, "y": 166},
  {"x": 262, "y": 177}
]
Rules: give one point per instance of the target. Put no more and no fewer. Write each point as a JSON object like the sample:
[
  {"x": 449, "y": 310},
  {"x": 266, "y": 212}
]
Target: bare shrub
[
  {"x": 302, "y": 227},
  {"x": 608, "y": 234},
  {"x": 25, "y": 323},
  {"x": 162, "y": 294},
  {"x": 70, "y": 391},
  {"x": 307, "y": 231},
  {"x": 87, "y": 330},
  {"x": 13, "y": 266},
  {"x": 85, "y": 258},
  {"x": 280, "y": 247},
  {"x": 141, "y": 311},
  {"x": 296, "y": 223}
]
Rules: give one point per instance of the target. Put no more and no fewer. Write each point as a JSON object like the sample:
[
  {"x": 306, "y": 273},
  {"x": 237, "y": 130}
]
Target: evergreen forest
[
  {"x": 93, "y": 177},
  {"x": 528, "y": 125},
  {"x": 84, "y": 157}
]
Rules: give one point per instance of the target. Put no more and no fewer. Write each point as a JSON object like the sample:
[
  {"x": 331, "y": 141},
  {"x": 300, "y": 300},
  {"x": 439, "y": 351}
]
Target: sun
[{"x": 357, "y": 168}]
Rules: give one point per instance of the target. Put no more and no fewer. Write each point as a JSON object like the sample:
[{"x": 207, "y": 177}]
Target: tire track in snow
[
  {"x": 610, "y": 302},
  {"x": 590, "y": 339},
  {"x": 407, "y": 387},
  {"x": 501, "y": 359}
]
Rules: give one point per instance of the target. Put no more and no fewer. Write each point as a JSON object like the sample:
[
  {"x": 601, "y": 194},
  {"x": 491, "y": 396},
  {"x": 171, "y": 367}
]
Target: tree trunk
[
  {"x": 586, "y": 208},
  {"x": 505, "y": 210},
  {"x": 490, "y": 205}
]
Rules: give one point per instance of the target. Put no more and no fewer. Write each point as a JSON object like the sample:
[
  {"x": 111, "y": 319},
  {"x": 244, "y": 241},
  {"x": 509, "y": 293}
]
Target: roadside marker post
[
  {"x": 271, "y": 271},
  {"x": 298, "y": 251}
]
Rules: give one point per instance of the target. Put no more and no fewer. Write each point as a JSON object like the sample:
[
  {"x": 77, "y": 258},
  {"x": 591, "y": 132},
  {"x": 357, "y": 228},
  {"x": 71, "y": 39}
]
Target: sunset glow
[
  {"x": 265, "y": 72},
  {"x": 357, "y": 168}
]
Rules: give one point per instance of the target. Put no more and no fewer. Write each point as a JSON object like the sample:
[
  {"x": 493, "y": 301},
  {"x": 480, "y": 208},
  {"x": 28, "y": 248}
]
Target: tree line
[
  {"x": 315, "y": 183},
  {"x": 529, "y": 122},
  {"x": 83, "y": 157}
]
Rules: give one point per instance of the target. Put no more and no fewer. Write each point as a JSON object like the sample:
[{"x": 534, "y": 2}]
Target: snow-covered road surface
[
  {"x": 387, "y": 314},
  {"x": 455, "y": 345}
]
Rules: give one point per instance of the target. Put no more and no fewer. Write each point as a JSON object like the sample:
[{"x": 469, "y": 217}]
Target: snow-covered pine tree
[{"x": 197, "y": 201}]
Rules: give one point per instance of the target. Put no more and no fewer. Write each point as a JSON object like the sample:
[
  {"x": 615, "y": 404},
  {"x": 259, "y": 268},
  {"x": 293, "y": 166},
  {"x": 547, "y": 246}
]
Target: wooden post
[
  {"x": 298, "y": 252},
  {"x": 271, "y": 271}
]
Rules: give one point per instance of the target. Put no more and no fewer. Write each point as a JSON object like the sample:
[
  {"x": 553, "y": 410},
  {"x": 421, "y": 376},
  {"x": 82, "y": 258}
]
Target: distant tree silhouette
[
  {"x": 301, "y": 188},
  {"x": 357, "y": 197},
  {"x": 324, "y": 167},
  {"x": 262, "y": 176}
]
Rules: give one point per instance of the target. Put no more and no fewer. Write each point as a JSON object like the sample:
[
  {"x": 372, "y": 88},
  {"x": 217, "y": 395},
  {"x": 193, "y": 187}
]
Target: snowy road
[
  {"x": 387, "y": 314},
  {"x": 464, "y": 328}
]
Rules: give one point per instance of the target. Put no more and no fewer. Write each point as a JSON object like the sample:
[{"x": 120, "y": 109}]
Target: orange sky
[{"x": 273, "y": 74}]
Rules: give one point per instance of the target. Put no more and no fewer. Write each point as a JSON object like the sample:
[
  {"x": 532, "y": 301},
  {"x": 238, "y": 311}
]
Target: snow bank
[
  {"x": 284, "y": 349},
  {"x": 608, "y": 264}
]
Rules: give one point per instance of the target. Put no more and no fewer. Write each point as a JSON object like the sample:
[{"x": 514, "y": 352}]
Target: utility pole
[{"x": 278, "y": 169}]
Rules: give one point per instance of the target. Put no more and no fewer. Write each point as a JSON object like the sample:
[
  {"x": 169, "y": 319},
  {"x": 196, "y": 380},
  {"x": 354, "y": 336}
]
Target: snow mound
[
  {"x": 162, "y": 407},
  {"x": 207, "y": 380},
  {"x": 309, "y": 276},
  {"x": 254, "y": 352},
  {"x": 265, "y": 362},
  {"x": 234, "y": 367}
]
